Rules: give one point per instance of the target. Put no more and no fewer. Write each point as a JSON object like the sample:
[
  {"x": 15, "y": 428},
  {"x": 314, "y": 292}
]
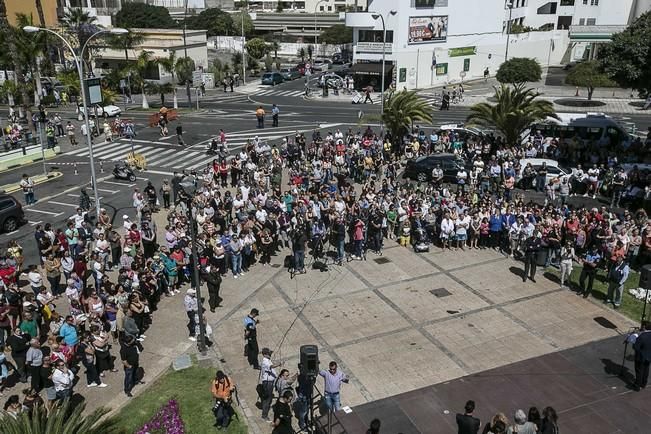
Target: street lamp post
[
  {"x": 384, "y": 53},
  {"x": 243, "y": 51},
  {"x": 80, "y": 71},
  {"x": 316, "y": 34},
  {"x": 187, "y": 194},
  {"x": 508, "y": 30}
]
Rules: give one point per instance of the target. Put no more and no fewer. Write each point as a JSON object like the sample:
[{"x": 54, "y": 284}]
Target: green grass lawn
[
  {"x": 631, "y": 307},
  {"x": 191, "y": 388}
]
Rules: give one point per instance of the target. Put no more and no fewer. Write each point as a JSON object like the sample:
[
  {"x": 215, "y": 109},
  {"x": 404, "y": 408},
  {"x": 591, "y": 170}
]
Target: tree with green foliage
[
  {"x": 519, "y": 70},
  {"x": 256, "y": 48},
  {"x": 252, "y": 65},
  {"x": 627, "y": 58},
  {"x": 249, "y": 27},
  {"x": 268, "y": 62},
  {"x": 143, "y": 15},
  {"x": 125, "y": 42},
  {"x": 169, "y": 65},
  {"x": 215, "y": 21},
  {"x": 29, "y": 51},
  {"x": 184, "y": 68},
  {"x": 516, "y": 109},
  {"x": 589, "y": 75},
  {"x": 403, "y": 109},
  {"x": 339, "y": 34},
  {"x": 61, "y": 419},
  {"x": 8, "y": 36},
  {"x": 236, "y": 60},
  {"x": 81, "y": 25}
]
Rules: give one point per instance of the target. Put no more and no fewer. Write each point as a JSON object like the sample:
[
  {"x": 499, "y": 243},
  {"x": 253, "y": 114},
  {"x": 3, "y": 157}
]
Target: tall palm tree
[
  {"x": 61, "y": 419},
  {"x": 516, "y": 109},
  {"x": 29, "y": 51},
  {"x": 81, "y": 25},
  {"x": 8, "y": 35},
  {"x": 143, "y": 63},
  {"x": 169, "y": 65},
  {"x": 403, "y": 109},
  {"x": 126, "y": 42}
]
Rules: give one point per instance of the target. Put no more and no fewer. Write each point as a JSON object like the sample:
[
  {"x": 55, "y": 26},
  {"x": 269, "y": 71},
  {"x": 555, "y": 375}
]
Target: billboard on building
[{"x": 423, "y": 30}]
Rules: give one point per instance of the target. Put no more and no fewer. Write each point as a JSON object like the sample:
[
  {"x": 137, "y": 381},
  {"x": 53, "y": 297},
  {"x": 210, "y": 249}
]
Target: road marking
[
  {"x": 12, "y": 232},
  {"x": 163, "y": 160},
  {"x": 85, "y": 148},
  {"x": 108, "y": 191},
  {"x": 160, "y": 172},
  {"x": 35, "y": 223},
  {"x": 55, "y": 214},
  {"x": 201, "y": 157},
  {"x": 166, "y": 138},
  {"x": 162, "y": 156},
  {"x": 151, "y": 142},
  {"x": 64, "y": 204},
  {"x": 122, "y": 184}
]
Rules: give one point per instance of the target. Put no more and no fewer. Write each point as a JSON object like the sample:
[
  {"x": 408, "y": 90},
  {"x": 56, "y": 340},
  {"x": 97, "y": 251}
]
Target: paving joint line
[
  {"x": 322, "y": 341},
  {"x": 413, "y": 323}
]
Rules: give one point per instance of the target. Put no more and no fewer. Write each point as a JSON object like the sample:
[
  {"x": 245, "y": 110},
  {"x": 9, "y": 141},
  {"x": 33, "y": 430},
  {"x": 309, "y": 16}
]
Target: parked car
[
  {"x": 554, "y": 170},
  {"x": 106, "y": 111},
  {"x": 11, "y": 213},
  {"x": 420, "y": 169},
  {"x": 290, "y": 74},
  {"x": 272, "y": 78},
  {"x": 341, "y": 58}
]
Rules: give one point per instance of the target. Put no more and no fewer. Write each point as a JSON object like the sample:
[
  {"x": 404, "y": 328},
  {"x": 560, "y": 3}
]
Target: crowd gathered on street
[{"x": 92, "y": 293}]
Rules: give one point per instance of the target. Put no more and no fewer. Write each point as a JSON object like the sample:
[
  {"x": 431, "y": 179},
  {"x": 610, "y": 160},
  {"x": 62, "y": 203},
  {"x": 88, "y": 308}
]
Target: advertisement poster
[{"x": 423, "y": 30}]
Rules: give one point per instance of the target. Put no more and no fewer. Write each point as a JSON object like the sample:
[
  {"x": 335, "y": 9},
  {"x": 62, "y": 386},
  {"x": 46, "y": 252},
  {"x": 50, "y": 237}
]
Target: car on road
[
  {"x": 554, "y": 170},
  {"x": 321, "y": 65},
  {"x": 420, "y": 168},
  {"x": 272, "y": 78},
  {"x": 11, "y": 213},
  {"x": 341, "y": 58},
  {"x": 107, "y": 111},
  {"x": 290, "y": 74}
]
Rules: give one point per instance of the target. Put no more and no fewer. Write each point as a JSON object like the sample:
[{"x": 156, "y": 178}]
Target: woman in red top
[
  {"x": 134, "y": 234},
  {"x": 223, "y": 172}
]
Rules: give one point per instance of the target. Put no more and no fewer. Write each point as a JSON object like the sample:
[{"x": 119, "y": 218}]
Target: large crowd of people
[{"x": 335, "y": 195}]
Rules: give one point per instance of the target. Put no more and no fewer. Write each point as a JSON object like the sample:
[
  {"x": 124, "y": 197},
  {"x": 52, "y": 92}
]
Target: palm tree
[
  {"x": 82, "y": 25},
  {"x": 403, "y": 109},
  {"x": 126, "y": 42},
  {"x": 516, "y": 109},
  {"x": 29, "y": 51},
  {"x": 8, "y": 35},
  {"x": 143, "y": 63},
  {"x": 61, "y": 419},
  {"x": 161, "y": 89},
  {"x": 169, "y": 65}
]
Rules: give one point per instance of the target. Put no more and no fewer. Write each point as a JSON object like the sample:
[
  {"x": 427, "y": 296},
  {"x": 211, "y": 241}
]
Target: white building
[
  {"x": 435, "y": 42},
  {"x": 309, "y": 5}
]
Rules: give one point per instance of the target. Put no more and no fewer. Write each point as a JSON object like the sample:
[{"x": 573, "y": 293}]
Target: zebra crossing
[
  {"x": 166, "y": 155},
  {"x": 272, "y": 91}
]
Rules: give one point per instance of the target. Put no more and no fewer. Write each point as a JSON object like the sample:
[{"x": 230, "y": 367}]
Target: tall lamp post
[
  {"x": 508, "y": 30},
  {"x": 189, "y": 187},
  {"x": 384, "y": 54},
  {"x": 316, "y": 34},
  {"x": 80, "y": 70}
]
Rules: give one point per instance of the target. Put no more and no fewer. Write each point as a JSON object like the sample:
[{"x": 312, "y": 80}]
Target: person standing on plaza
[
  {"x": 58, "y": 123},
  {"x": 179, "y": 135},
  {"x": 567, "y": 260},
  {"x": 63, "y": 379},
  {"x": 191, "y": 308},
  {"x": 28, "y": 189},
  {"x": 33, "y": 363},
  {"x": 213, "y": 280},
  {"x": 130, "y": 356},
  {"x": 642, "y": 347},
  {"x": 268, "y": 376},
  {"x": 333, "y": 378},
  {"x": 532, "y": 246},
  {"x": 617, "y": 277},
  {"x": 466, "y": 422},
  {"x": 282, "y": 421},
  {"x": 70, "y": 130},
  {"x": 222, "y": 390},
  {"x": 521, "y": 425},
  {"x": 275, "y": 111},
  {"x": 18, "y": 343},
  {"x": 590, "y": 262},
  {"x": 251, "y": 348}
]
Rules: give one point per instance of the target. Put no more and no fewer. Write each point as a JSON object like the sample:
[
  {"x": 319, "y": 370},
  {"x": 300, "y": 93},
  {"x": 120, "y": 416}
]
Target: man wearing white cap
[{"x": 191, "y": 307}]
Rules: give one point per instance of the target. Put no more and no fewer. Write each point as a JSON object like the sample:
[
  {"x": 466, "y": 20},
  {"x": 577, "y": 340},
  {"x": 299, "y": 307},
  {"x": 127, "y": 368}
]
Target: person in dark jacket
[
  {"x": 642, "y": 349},
  {"x": 213, "y": 280},
  {"x": 532, "y": 245},
  {"x": 467, "y": 423}
]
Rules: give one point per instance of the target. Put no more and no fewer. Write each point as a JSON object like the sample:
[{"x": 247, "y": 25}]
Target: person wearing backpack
[{"x": 222, "y": 389}]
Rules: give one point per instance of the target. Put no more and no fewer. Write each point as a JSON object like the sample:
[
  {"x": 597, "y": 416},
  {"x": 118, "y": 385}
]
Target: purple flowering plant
[{"x": 166, "y": 421}]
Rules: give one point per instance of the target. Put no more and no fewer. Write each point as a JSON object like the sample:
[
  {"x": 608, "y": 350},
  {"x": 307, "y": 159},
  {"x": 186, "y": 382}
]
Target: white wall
[{"x": 234, "y": 43}]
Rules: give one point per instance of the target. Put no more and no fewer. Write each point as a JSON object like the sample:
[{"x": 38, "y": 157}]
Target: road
[{"x": 232, "y": 111}]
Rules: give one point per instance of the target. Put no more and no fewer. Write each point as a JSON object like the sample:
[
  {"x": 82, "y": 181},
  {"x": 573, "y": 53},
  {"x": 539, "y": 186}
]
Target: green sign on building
[
  {"x": 441, "y": 68},
  {"x": 403, "y": 75},
  {"x": 466, "y": 65},
  {"x": 462, "y": 51}
]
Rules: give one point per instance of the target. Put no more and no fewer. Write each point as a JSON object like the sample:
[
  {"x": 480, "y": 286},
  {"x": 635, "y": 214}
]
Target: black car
[
  {"x": 420, "y": 168},
  {"x": 11, "y": 213}
]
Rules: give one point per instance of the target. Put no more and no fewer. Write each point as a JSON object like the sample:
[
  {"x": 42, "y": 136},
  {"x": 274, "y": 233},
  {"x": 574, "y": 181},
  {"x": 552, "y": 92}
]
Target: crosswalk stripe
[
  {"x": 270, "y": 132},
  {"x": 201, "y": 163},
  {"x": 161, "y": 161},
  {"x": 108, "y": 149},
  {"x": 162, "y": 156},
  {"x": 98, "y": 151},
  {"x": 83, "y": 149},
  {"x": 186, "y": 162},
  {"x": 121, "y": 152}
]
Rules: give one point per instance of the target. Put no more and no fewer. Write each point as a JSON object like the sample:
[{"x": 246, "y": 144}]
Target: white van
[
  {"x": 554, "y": 170},
  {"x": 587, "y": 126}
]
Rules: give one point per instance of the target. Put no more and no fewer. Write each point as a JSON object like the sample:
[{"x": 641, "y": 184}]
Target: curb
[
  {"x": 23, "y": 160},
  {"x": 39, "y": 179}
]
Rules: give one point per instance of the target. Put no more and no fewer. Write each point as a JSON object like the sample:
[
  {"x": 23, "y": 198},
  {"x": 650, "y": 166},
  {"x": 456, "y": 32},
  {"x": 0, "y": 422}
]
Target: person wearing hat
[
  {"x": 191, "y": 308},
  {"x": 268, "y": 376}
]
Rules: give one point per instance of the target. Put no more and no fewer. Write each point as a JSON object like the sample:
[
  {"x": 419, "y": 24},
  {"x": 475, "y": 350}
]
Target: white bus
[{"x": 586, "y": 126}]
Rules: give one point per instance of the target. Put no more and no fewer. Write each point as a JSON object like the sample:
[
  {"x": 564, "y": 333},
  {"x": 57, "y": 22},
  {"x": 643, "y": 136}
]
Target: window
[
  {"x": 594, "y": 2},
  {"x": 581, "y": 21},
  {"x": 6, "y": 204},
  {"x": 585, "y": 2},
  {"x": 321, "y": 8},
  {"x": 590, "y": 21},
  {"x": 329, "y": 8},
  {"x": 423, "y": 3},
  {"x": 374, "y": 36},
  {"x": 567, "y": 2}
]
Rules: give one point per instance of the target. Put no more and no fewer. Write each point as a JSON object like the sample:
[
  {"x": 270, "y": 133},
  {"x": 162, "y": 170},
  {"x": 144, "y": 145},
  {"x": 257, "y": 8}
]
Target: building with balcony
[
  {"x": 50, "y": 11},
  {"x": 330, "y": 6},
  {"x": 435, "y": 42}
]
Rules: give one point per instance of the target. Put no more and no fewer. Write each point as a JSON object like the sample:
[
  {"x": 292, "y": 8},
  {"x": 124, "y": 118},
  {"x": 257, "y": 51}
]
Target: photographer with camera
[
  {"x": 222, "y": 390},
  {"x": 299, "y": 238}
]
